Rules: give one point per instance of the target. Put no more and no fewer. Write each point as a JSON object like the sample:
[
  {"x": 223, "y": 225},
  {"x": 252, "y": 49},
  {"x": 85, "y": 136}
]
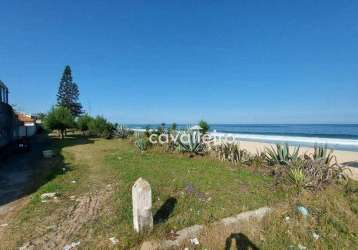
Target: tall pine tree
[{"x": 68, "y": 93}]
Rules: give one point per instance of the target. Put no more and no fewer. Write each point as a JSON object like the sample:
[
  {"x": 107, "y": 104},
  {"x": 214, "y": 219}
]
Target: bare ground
[
  {"x": 70, "y": 223},
  {"x": 85, "y": 210}
]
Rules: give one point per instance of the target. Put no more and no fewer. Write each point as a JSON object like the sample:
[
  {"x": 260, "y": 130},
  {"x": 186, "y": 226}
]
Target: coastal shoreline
[{"x": 333, "y": 143}]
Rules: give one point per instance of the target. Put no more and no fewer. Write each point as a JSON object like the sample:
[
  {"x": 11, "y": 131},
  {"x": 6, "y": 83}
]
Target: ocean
[{"x": 336, "y": 136}]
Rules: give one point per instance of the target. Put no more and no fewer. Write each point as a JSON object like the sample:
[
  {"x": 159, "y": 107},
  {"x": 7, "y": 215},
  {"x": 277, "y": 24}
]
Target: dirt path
[
  {"x": 85, "y": 210},
  {"x": 73, "y": 220}
]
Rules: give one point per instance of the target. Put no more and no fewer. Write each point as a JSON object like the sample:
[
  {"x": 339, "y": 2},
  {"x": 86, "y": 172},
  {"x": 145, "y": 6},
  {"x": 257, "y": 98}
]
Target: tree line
[{"x": 68, "y": 113}]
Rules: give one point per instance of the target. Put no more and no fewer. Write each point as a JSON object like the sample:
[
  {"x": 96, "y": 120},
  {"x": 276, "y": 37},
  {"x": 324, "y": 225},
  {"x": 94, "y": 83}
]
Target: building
[
  {"x": 26, "y": 125},
  {"x": 4, "y": 93},
  {"x": 25, "y": 119},
  {"x": 13, "y": 125},
  {"x": 8, "y": 123}
]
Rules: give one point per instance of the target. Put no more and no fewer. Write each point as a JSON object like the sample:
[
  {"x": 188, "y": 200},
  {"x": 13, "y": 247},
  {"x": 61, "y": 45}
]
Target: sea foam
[{"x": 290, "y": 139}]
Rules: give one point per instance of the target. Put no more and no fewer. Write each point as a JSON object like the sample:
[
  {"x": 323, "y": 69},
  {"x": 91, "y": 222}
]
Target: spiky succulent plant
[
  {"x": 297, "y": 177},
  {"x": 192, "y": 144},
  {"x": 281, "y": 154},
  {"x": 322, "y": 153},
  {"x": 142, "y": 144}
]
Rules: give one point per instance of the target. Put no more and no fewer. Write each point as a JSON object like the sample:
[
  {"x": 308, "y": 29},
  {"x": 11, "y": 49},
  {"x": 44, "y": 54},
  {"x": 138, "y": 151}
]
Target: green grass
[{"x": 229, "y": 190}]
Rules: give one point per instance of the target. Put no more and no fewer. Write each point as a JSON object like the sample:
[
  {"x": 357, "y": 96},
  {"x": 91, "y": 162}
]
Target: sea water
[{"x": 337, "y": 136}]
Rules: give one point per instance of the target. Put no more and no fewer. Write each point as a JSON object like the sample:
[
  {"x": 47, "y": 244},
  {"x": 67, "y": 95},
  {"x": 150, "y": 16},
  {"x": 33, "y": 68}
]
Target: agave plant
[
  {"x": 297, "y": 177},
  {"x": 231, "y": 152},
  {"x": 281, "y": 154},
  {"x": 193, "y": 145},
  {"x": 323, "y": 154},
  {"x": 319, "y": 173},
  {"x": 142, "y": 144}
]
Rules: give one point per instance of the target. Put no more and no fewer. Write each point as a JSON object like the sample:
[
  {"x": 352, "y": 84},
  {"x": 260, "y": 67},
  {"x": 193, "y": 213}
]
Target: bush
[
  {"x": 297, "y": 178},
  {"x": 231, "y": 152},
  {"x": 122, "y": 132},
  {"x": 147, "y": 132},
  {"x": 173, "y": 127},
  {"x": 59, "y": 118},
  {"x": 312, "y": 172},
  {"x": 318, "y": 173},
  {"x": 100, "y": 127},
  {"x": 142, "y": 144},
  {"x": 83, "y": 123},
  {"x": 161, "y": 129},
  {"x": 204, "y": 125},
  {"x": 321, "y": 168}
]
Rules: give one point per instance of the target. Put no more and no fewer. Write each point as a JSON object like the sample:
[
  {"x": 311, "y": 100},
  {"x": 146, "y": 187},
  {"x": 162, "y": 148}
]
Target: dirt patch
[
  {"x": 8, "y": 212},
  {"x": 78, "y": 208},
  {"x": 85, "y": 210}
]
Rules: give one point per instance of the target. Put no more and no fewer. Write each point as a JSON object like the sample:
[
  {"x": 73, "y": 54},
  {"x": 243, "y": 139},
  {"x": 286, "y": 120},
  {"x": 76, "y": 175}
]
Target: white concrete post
[{"x": 142, "y": 206}]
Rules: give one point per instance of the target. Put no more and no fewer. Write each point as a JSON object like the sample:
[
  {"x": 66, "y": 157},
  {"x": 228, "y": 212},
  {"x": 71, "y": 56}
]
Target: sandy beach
[{"x": 345, "y": 158}]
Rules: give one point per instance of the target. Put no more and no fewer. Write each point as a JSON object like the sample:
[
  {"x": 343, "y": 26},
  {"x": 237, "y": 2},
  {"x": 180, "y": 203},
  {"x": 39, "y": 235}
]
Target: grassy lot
[
  {"x": 219, "y": 191},
  {"x": 94, "y": 200}
]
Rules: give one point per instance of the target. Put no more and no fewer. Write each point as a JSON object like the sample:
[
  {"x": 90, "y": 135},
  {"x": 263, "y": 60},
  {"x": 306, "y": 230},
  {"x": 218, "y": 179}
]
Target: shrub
[
  {"x": 122, "y": 132},
  {"x": 319, "y": 173},
  {"x": 147, "y": 132},
  {"x": 321, "y": 168},
  {"x": 204, "y": 125},
  {"x": 142, "y": 144},
  {"x": 281, "y": 154},
  {"x": 297, "y": 177},
  {"x": 311, "y": 172},
  {"x": 161, "y": 129},
  {"x": 174, "y": 127},
  {"x": 59, "y": 118},
  {"x": 171, "y": 145},
  {"x": 100, "y": 127},
  {"x": 258, "y": 159},
  {"x": 83, "y": 123},
  {"x": 231, "y": 152}
]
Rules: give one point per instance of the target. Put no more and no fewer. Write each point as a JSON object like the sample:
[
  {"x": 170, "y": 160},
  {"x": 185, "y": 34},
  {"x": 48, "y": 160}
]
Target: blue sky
[{"x": 165, "y": 61}]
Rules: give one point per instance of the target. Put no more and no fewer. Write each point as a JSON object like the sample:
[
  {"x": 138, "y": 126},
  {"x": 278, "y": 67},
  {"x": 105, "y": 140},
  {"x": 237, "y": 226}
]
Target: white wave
[{"x": 290, "y": 139}]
